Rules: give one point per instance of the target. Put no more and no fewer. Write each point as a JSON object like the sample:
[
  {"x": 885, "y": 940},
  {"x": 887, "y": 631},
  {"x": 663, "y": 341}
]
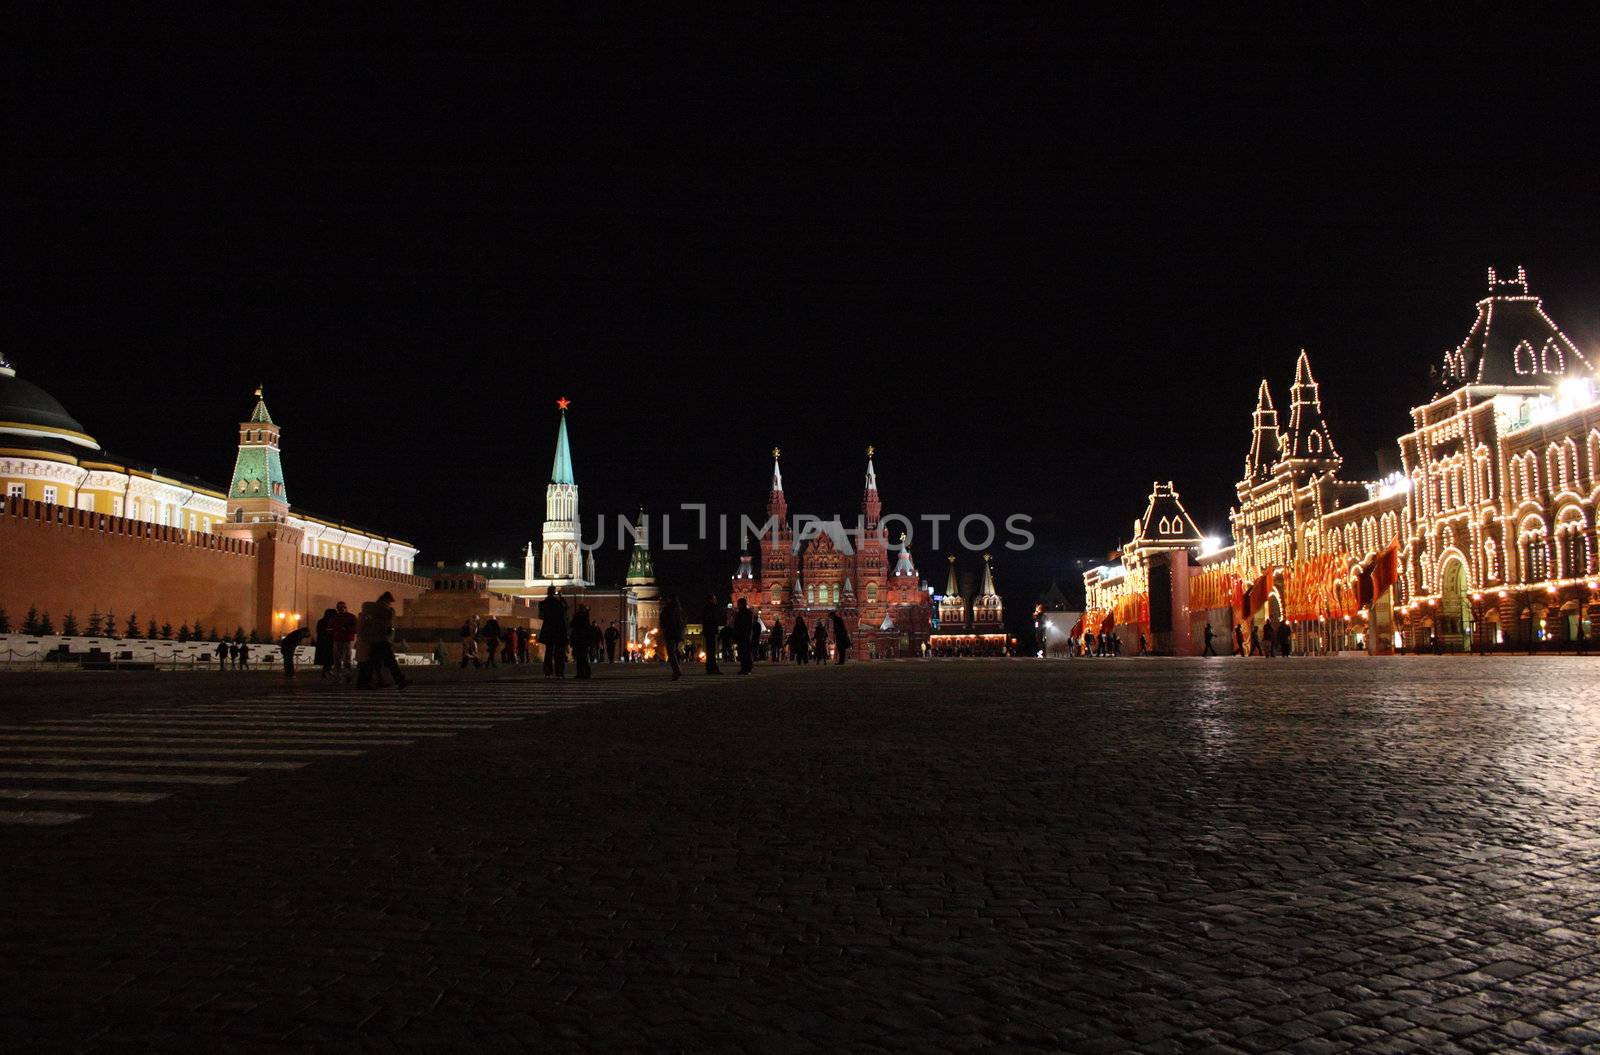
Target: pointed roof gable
[
  {"x": 641, "y": 568},
  {"x": 1307, "y": 435},
  {"x": 987, "y": 588},
  {"x": 561, "y": 468},
  {"x": 1513, "y": 342},
  {"x": 1166, "y": 524},
  {"x": 952, "y": 588},
  {"x": 1264, "y": 441},
  {"x": 259, "y": 416}
]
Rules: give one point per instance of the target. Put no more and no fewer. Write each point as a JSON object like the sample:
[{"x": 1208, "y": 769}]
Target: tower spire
[
  {"x": 1307, "y": 436},
  {"x": 561, "y": 469},
  {"x": 777, "y": 474},
  {"x": 560, "y": 556},
  {"x": 1263, "y": 437}
]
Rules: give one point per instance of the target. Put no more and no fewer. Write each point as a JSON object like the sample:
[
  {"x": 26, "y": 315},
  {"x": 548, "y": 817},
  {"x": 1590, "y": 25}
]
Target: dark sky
[{"x": 1038, "y": 265}]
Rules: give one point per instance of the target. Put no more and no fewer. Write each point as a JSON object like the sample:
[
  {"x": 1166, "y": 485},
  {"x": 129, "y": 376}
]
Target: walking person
[
  {"x": 744, "y": 635},
  {"x": 1255, "y": 640},
  {"x": 1210, "y": 649},
  {"x": 553, "y": 633},
  {"x": 673, "y": 627},
  {"x": 323, "y": 640},
  {"x": 222, "y": 655},
  {"x": 1238, "y": 639},
  {"x": 841, "y": 637},
  {"x": 775, "y": 640},
  {"x": 613, "y": 637},
  {"x": 800, "y": 641},
  {"x": 713, "y": 618},
  {"x": 1285, "y": 638},
  {"x": 344, "y": 640},
  {"x": 820, "y": 639},
  {"x": 490, "y": 634},
  {"x": 241, "y": 656},
  {"x": 290, "y": 644},
  {"x": 582, "y": 639},
  {"x": 524, "y": 636},
  {"x": 375, "y": 631}
]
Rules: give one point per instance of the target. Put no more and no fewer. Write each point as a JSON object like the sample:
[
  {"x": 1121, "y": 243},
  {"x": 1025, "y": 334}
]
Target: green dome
[{"x": 24, "y": 405}]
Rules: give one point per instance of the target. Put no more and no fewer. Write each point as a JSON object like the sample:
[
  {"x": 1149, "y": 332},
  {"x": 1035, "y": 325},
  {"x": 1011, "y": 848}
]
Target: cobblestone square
[{"x": 1099, "y": 855}]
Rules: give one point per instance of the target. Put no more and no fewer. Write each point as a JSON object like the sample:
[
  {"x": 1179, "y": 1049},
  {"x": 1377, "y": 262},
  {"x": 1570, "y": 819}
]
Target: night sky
[{"x": 1036, "y": 265}]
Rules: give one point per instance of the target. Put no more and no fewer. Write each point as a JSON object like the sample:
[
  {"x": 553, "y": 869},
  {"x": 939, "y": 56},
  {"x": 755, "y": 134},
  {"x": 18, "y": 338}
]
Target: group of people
[
  {"x": 744, "y": 639},
  {"x": 1272, "y": 638},
  {"x": 237, "y": 651},
  {"x": 350, "y": 645},
  {"x": 486, "y": 643}
]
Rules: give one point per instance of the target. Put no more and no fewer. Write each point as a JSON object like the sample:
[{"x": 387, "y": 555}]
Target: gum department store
[{"x": 1490, "y": 524}]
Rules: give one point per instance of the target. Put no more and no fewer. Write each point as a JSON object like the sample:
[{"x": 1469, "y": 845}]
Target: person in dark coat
[
  {"x": 524, "y": 636},
  {"x": 1210, "y": 648},
  {"x": 800, "y": 641},
  {"x": 1238, "y": 639},
  {"x": 841, "y": 638},
  {"x": 582, "y": 639},
  {"x": 1255, "y": 640},
  {"x": 288, "y": 645},
  {"x": 323, "y": 640},
  {"x": 775, "y": 640},
  {"x": 744, "y": 635},
  {"x": 613, "y": 637},
  {"x": 241, "y": 656},
  {"x": 673, "y": 627},
  {"x": 222, "y": 655},
  {"x": 1285, "y": 638},
  {"x": 553, "y": 633},
  {"x": 820, "y": 637},
  {"x": 713, "y": 617},
  {"x": 344, "y": 640},
  {"x": 489, "y": 634}
]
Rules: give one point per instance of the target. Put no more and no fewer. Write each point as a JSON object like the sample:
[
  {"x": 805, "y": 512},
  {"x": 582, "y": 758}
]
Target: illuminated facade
[
  {"x": 47, "y": 456},
  {"x": 970, "y": 626},
  {"x": 1490, "y": 521},
  {"x": 822, "y": 567}
]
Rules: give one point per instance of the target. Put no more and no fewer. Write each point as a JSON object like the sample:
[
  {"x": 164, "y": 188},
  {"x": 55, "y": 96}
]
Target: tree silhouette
[
  {"x": 96, "y": 622},
  {"x": 5, "y": 622},
  {"x": 69, "y": 625},
  {"x": 132, "y": 629},
  {"x": 30, "y": 622},
  {"x": 45, "y": 625}
]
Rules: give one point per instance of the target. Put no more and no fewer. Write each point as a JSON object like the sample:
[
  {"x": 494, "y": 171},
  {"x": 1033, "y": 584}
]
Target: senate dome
[{"x": 28, "y": 410}]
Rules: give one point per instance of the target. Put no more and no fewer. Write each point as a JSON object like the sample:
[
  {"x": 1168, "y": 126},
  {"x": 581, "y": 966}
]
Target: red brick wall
[
  {"x": 323, "y": 583},
  {"x": 60, "y": 560}
]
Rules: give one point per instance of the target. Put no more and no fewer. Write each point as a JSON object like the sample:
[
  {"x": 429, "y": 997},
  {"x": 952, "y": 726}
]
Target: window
[
  {"x": 116, "y": 505},
  {"x": 50, "y": 496},
  {"x": 872, "y": 593},
  {"x": 85, "y": 501},
  {"x": 14, "y": 491}
]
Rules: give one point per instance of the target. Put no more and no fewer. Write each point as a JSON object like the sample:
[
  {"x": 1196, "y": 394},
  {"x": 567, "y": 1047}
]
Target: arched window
[
  {"x": 1491, "y": 560},
  {"x": 1535, "y": 551},
  {"x": 1314, "y": 443},
  {"x": 1551, "y": 358},
  {"x": 1522, "y": 358}
]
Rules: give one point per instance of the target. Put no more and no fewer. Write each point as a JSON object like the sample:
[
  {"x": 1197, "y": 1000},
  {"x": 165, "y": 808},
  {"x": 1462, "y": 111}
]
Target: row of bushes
[{"x": 37, "y": 624}]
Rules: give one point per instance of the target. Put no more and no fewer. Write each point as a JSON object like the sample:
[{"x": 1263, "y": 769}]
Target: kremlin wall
[{"x": 83, "y": 532}]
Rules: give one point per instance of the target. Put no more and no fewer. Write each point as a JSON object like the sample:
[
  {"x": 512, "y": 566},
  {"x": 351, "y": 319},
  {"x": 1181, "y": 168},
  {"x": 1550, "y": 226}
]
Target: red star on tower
[{"x": 563, "y": 402}]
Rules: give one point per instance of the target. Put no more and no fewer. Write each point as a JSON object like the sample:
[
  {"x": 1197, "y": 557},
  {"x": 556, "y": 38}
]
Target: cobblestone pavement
[{"x": 1163, "y": 855}]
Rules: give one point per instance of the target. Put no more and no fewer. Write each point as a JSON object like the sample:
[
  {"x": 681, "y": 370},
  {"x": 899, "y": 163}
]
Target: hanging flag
[
  {"x": 1386, "y": 569},
  {"x": 1077, "y": 628}
]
